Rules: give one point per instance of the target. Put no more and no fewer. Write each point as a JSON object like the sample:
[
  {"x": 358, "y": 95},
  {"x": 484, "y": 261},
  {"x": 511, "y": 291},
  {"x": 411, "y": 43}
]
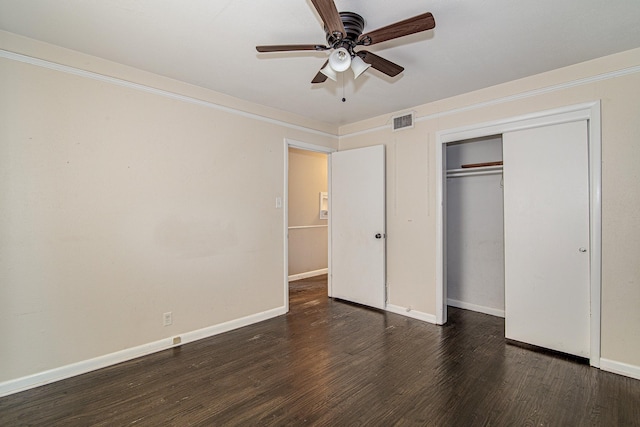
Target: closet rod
[
  {"x": 463, "y": 174},
  {"x": 489, "y": 170}
]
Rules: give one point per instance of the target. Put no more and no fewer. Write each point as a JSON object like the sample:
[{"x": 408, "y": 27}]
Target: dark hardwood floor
[{"x": 332, "y": 363}]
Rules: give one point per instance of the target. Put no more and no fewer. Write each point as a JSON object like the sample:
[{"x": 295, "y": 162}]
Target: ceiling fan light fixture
[
  {"x": 345, "y": 32},
  {"x": 358, "y": 66},
  {"x": 328, "y": 71},
  {"x": 340, "y": 60}
]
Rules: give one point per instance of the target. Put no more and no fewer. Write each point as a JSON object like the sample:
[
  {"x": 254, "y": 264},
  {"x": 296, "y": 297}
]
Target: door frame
[
  {"x": 292, "y": 143},
  {"x": 587, "y": 111}
]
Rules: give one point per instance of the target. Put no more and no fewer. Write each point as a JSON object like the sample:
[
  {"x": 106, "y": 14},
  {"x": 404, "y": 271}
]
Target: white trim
[
  {"x": 305, "y": 227},
  {"x": 96, "y": 76},
  {"x": 595, "y": 232},
  {"x": 586, "y": 111},
  {"x": 137, "y": 86},
  {"x": 620, "y": 368},
  {"x": 474, "y": 307},
  {"x": 441, "y": 209},
  {"x": 308, "y": 274},
  {"x": 511, "y": 98},
  {"x": 554, "y": 116},
  {"x": 408, "y": 312},
  {"x": 82, "y": 367},
  {"x": 367, "y": 131},
  {"x": 285, "y": 228},
  {"x": 309, "y": 147},
  {"x": 329, "y": 232}
]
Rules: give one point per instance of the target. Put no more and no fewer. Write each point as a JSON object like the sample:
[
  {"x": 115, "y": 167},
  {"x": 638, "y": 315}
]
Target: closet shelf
[
  {"x": 484, "y": 170},
  {"x": 484, "y": 164}
]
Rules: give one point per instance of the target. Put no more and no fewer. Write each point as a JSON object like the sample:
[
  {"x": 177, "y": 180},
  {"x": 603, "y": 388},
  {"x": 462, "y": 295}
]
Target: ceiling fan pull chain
[{"x": 343, "y": 98}]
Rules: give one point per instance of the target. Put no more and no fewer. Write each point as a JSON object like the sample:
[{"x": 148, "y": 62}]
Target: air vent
[{"x": 403, "y": 122}]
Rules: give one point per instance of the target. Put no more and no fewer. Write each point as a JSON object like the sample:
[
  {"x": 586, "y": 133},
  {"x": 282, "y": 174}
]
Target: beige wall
[
  {"x": 120, "y": 204},
  {"x": 411, "y": 210},
  {"x": 307, "y": 178}
]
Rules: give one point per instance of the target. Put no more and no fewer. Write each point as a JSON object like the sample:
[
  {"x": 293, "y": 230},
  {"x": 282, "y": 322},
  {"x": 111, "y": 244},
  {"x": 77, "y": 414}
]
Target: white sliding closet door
[{"x": 546, "y": 219}]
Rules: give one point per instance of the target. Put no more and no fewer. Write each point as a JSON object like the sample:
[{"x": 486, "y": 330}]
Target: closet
[
  {"x": 474, "y": 225},
  {"x": 517, "y": 232}
]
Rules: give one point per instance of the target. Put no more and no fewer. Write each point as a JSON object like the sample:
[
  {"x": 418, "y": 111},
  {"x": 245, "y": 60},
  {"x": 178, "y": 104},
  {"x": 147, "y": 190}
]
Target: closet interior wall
[{"x": 475, "y": 226}]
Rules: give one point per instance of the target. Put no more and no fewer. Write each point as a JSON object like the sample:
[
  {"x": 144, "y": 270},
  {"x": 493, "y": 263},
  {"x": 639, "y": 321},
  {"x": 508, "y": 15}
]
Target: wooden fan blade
[
  {"x": 379, "y": 63},
  {"x": 409, "y": 26},
  {"x": 289, "y": 47},
  {"x": 330, "y": 16},
  {"x": 320, "y": 78}
]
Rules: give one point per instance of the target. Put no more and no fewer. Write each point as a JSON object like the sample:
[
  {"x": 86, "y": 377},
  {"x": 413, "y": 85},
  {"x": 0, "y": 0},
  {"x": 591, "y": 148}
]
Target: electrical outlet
[{"x": 167, "y": 318}]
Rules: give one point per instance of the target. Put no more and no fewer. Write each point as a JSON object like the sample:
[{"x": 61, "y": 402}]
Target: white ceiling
[{"x": 211, "y": 43}]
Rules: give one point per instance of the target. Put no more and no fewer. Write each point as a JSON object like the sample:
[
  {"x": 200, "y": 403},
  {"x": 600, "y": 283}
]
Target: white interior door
[
  {"x": 546, "y": 220},
  {"x": 358, "y": 225}
]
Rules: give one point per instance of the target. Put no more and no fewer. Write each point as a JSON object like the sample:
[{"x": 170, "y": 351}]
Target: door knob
[
  {"x": 378, "y": 236},
  {"x": 583, "y": 249}
]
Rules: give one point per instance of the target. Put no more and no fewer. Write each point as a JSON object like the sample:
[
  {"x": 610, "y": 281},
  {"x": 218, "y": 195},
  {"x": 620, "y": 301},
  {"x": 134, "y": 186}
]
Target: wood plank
[{"x": 333, "y": 363}]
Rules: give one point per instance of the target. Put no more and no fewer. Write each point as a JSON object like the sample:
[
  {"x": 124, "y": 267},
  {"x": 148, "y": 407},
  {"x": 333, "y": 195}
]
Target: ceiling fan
[{"x": 344, "y": 35}]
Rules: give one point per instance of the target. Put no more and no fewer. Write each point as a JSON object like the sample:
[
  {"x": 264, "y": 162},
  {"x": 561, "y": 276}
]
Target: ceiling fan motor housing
[{"x": 353, "y": 26}]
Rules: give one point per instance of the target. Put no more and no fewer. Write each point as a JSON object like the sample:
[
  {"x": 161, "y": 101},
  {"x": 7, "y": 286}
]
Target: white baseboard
[
  {"x": 308, "y": 274},
  {"x": 63, "y": 372},
  {"x": 408, "y": 312},
  {"x": 473, "y": 307},
  {"x": 620, "y": 368}
]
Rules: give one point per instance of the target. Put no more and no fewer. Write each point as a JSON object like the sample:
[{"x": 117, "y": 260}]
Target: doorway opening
[
  {"x": 474, "y": 225},
  {"x": 307, "y": 212}
]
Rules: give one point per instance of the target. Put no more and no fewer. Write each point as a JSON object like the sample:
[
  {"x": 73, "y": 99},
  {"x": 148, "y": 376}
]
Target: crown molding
[
  {"x": 511, "y": 98},
  {"x": 160, "y": 92}
]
